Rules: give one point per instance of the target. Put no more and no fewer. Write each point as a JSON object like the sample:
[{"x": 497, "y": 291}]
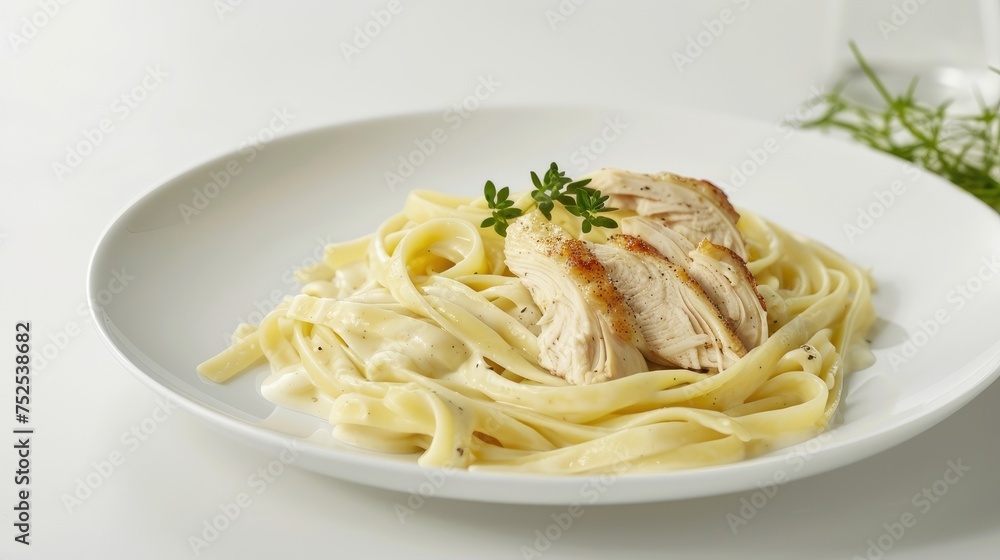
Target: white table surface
[{"x": 213, "y": 79}]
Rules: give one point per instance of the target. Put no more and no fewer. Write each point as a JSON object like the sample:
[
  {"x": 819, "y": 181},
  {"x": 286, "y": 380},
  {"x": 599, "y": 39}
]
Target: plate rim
[{"x": 907, "y": 426}]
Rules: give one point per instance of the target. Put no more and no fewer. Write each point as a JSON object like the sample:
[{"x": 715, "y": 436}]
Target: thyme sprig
[
  {"x": 587, "y": 205},
  {"x": 964, "y": 149},
  {"x": 551, "y": 188},
  {"x": 503, "y": 208}
]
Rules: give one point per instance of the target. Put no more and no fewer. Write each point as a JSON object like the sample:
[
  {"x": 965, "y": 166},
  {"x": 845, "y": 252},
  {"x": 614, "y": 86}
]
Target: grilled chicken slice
[
  {"x": 668, "y": 242},
  {"x": 694, "y": 208},
  {"x": 680, "y": 325},
  {"x": 588, "y": 332},
  {"x": 730, "y": 285},
  {"x": 720, "y": 272}
]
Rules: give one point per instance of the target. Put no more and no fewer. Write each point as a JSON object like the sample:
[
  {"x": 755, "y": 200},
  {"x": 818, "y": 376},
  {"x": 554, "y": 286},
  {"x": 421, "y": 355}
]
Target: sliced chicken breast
[
  {"x": 668, "y": 242},
  {"x": 730, "y": 285},
  {"x": 680, "y": 324},
  {"x": 694, "y": 208},
  {"x": 720, "y": 272},
  {"x": 588, "y": 333}
]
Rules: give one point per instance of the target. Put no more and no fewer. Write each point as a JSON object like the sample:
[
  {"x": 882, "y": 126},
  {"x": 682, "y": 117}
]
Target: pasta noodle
[{"x": 416, "y": 339}]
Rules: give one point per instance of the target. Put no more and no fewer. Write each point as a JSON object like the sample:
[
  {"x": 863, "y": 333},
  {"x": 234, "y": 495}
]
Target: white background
[{"x": 222, "y": 73}]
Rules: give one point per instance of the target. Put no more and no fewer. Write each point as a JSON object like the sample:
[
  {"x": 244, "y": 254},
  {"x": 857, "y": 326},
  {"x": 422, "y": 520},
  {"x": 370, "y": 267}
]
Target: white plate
[{"x": 196, "y": 276}]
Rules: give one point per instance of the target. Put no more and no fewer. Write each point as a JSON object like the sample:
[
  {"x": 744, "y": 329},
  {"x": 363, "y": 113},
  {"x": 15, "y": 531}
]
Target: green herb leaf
[
  {"x": 503, "y": 210},
  {"x": 551, "y": 188},
  {"x": 964, "y": 149},
  {"x": 587, "y": 205}
]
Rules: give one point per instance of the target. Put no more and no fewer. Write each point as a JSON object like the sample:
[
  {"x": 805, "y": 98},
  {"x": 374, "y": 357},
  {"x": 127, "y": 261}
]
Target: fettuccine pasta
[{"x": 417, "y": 339}]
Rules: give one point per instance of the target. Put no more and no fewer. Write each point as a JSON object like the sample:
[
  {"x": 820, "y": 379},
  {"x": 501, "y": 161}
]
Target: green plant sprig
[
  {"x": 503, "y": 208},
  {"x": 553, "y": 187},
  {"x": 587, "y": 205},
  {"x": 964, "y": 149}
]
